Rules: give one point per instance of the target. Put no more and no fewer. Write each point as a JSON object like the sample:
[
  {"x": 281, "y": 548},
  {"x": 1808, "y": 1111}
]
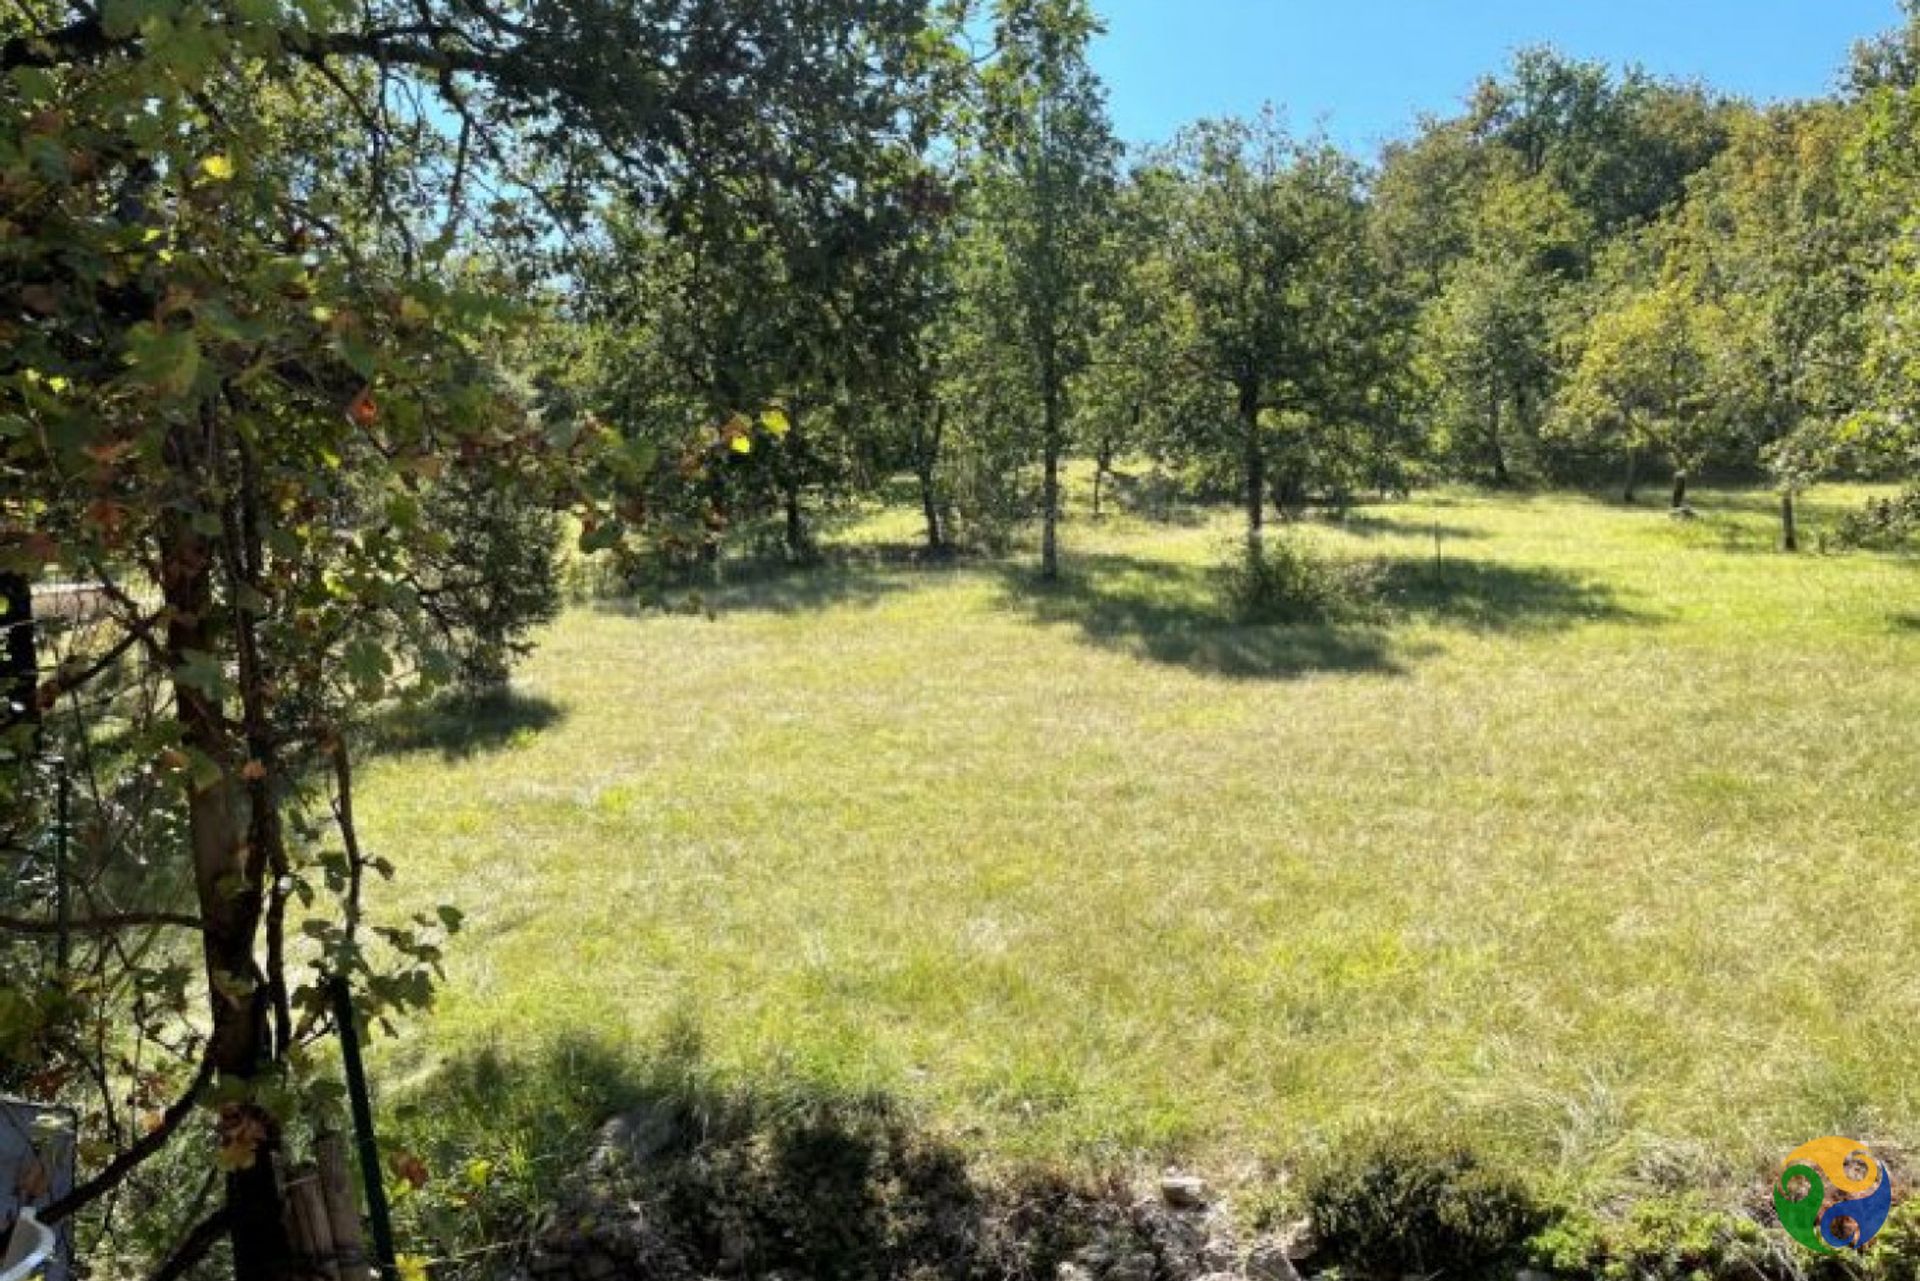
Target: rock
[
  {"x": 1177, "y": 1237},
  {"x": 1184, "y": 1192},
  {"x": 1298, "y": 1240},
  {"x": 1270, "y": 1261},
  {"x": 1530, "y": 1274},
  {"x": 1133, "y": 1267},
  {"x": 1072, "y": 1272},
  {"x": 1220, "y": 1252},
  {"x": 632, "y": 1140}
]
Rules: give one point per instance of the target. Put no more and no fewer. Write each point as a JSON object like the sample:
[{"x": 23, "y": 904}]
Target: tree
[
  {"x": 1659, "y": 370},
  {"x": 1882, "y": 183},
  {"x": 1264, "y": 243},
  {"x": 1768, "y": 233},
  {"x": 1046, "y": 180},
  {"x": 1488, "y": 336}
]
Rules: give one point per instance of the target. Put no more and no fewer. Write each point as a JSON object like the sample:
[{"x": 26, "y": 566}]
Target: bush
[
  {"x": 491, "y": 576},
  {"x": 1882, "y": 523},
  {"x": 1390, "y": 1205},
  {"x": 1286, "y": 583}
]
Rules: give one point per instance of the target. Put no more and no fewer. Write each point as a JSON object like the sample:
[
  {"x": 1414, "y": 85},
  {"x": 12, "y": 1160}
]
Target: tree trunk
[
  {"x": 1050, "y": 486},
  {"x": 929, "y": 459},
  {"x": 1499, "y": 455},
  {"x": 1099, "y": 475},
  {"x": 1633, "y": 476},
  {"x": 792, "y": 472},
  {"x": 1256, "y": 464},
  {"x": 228, "y": 873},
  {"x": 796, "y": 537},
  {"x": 1679, "y": 488},
  {"x": 20, "y": 665},
  {"x": 1789, "y": 526}
]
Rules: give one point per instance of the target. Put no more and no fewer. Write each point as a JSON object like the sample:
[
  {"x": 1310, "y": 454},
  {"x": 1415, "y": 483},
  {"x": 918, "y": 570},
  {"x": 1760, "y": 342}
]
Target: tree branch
[
  {"x": 205, "y": 1235},
  {"x": 130, "y": 1160}
]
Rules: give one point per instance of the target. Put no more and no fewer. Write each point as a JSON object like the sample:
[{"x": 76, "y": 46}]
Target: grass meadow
[{"x": 1599, "y": 846}]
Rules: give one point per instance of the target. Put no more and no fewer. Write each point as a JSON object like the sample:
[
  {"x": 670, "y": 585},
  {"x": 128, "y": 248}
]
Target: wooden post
[
  {"x": 343, "y": 1207},
  {"x": 311, "y": 1226},
  {"x": 377, "y": 1216}
]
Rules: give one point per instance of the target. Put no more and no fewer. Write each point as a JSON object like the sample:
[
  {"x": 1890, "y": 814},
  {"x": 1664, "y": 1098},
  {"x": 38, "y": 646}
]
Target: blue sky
[{"x": 1367, "y": 68}]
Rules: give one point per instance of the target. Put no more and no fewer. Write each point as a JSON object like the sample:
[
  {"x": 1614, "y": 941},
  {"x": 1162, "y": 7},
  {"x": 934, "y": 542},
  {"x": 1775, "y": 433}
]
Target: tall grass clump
[{"x": 1284, "y": 581}]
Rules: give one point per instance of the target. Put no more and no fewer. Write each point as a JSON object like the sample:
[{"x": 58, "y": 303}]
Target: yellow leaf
[
  {"x": 411, "y": 1267},
  {"x": 218, "y": 168},
  {"x": 774, "y": 419},
  {"x": 741, "y": 444}
]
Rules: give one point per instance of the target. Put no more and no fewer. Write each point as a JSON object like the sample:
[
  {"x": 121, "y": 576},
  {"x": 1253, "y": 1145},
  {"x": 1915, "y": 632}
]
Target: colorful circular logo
[{"x": 1832, "y": 1194}]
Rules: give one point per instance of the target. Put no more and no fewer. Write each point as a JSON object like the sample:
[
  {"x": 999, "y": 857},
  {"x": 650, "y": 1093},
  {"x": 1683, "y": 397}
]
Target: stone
[
  {"x": 1184, "y": 1192},
  {"x": 1299, "y": 1240},
  {"x": 1073, "y": 1272},
  {"x": 633, "y": 1140},
  {"x": 1269, "y": 1261},
  {"x": 1133, "y": 1267},
  {"x": 1532, "y": 1274}
]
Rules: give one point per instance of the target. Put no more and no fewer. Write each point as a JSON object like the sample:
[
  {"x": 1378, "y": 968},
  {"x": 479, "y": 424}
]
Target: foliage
[
  {"x": 488, "y": 573},
  {"x": 1286, "y": 582},
  {"x": 1395, "y": 1204},
  {"x": 1265, "y": 240},
  {"x": 1045, "y": 174}
]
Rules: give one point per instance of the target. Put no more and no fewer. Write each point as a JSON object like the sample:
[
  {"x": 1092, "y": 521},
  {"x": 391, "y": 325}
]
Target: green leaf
[
  {"x": 165, "y": 359},
  {"x": 368, "y": 665},
  {"x": 204, "y": 672}
]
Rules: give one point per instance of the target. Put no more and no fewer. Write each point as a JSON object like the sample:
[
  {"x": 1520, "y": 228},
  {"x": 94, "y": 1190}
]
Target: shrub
[
  {"x": 1287, "y": 583},
  {"x": 1388, "y": 1205},
  {"x": 489, "y": 577},
  {"x": 1882, "y": 523}
]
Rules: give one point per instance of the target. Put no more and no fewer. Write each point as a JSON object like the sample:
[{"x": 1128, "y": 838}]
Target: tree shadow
[
  {"x": 459, "y": 726},
  {"x": 1175, "y": 613},
  {"x": 859, "y": 575},
  {"x": 1178, "y": 613},
  {"x": 653, "y": 1164},
  {"x": 1491, "y": 596},
  {"x": 1371, "y": 525}
]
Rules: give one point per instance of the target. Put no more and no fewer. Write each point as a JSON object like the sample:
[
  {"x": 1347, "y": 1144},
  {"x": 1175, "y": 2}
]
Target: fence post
[{"x": 378, "y": 1218}]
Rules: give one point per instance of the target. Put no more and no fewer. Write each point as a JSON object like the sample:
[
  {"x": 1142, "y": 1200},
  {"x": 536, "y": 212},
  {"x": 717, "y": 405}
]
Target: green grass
[{"x": 1599, "y": 848}]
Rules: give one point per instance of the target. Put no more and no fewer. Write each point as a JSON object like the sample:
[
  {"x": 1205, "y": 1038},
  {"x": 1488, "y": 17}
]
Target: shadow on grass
[
  {"x": 1173, "y": 613},
  {"x": 460, "y": 727},
  {"x": 1367, "y": 524},
  {"x": 1489, "y": 596},
  {"x": 861, "y": 574},
  {"x": 605, "y": 1161},
  {"x": 1177, "y": 614}
]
